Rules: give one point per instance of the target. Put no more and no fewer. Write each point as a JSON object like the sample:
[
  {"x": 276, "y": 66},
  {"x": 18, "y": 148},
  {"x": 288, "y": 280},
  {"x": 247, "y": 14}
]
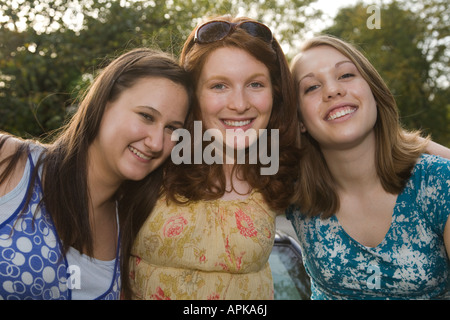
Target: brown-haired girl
[
  {"x": 372, "y": 208},
  {"x": 61, "y": 204}
]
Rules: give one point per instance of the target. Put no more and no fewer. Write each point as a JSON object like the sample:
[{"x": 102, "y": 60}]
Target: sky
[{"x": 331, "y": 8}]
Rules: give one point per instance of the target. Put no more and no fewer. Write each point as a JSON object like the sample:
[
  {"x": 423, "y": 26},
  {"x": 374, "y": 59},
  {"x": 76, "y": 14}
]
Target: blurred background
[{"x": 50, "y": 50}]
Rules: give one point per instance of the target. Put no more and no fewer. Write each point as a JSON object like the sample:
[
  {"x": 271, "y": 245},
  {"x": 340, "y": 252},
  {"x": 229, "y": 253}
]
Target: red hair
[{"x": 207, "y": 182}]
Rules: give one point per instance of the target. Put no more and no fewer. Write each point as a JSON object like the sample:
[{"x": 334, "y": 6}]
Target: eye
[
  {"x": 311, "y": 88},
  {"x": 171, "y": 128},
  {"x": 346, "y": 76},
  {"x": 218, "y": 86},
  {"x": 256, "y": 85},
  {"x": 147, "y": 116}
]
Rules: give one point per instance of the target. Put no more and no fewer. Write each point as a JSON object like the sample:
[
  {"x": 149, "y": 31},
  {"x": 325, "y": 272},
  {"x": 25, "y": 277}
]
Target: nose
[
  {"x": 155, "y": 139},
  {"x": 239, "y": 101},
  {"x": 333, "y": 89}
]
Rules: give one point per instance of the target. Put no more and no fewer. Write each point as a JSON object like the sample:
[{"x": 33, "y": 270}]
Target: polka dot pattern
[
  {"x": 32, "y": 266},
  {"x": 31, "y": 261}
]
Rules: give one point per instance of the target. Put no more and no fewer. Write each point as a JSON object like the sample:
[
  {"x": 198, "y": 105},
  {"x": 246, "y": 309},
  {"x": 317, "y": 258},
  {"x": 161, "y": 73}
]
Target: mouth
[
  {"x": 139, "y": 154},
  {"x": 237, "y": 123},
  {"x": 341, "y": 111}
]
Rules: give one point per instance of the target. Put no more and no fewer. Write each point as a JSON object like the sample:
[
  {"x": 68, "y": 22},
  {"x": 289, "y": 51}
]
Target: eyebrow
[
  {"x": 311, "y": 74},
  {"x": 260, "y": 74},
  {"x": 153, "y": 110},
  {"x": 177, "y": 123},
  {"x": 221, "y": 77}
]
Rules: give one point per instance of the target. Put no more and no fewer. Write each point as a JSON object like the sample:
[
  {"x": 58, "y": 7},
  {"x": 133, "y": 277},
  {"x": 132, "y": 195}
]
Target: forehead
[
  {"x": 319, "y": 59},
  {"x": 230, "y": 60},
  {"x": 159, "y": 93},
  {"x": 323, "y": 54}
]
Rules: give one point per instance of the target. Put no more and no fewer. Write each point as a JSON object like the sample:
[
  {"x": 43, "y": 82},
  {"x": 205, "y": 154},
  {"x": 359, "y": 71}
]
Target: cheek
[
  {"x": 209, "y": 102},
  {"x": 124, "y": 125},
  {"x": 263, "y": 102},
  {"x": 369, "y": 100},
  {"x": 264, "y": 105},
  {"x": 362, "y": 90},
  {"x": 266, "y": 108},
  {"x": 209, "y": 108},
  {"x": 168, "y": 146},
  {"x": 372, "y": 101},
  {"x": 308, "y": 111},
  {"x": 126, "y": 135}
]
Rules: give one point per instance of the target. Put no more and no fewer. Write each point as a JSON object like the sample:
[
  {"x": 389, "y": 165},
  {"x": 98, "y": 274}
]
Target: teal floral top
[{"x": 410, "y": 263}]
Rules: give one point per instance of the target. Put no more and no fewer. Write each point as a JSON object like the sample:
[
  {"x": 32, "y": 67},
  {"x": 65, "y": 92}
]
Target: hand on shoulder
[{"x": 438, "y": 150}]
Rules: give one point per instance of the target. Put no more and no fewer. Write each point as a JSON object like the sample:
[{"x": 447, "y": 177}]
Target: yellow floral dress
[{"x": 215, "y": 249}]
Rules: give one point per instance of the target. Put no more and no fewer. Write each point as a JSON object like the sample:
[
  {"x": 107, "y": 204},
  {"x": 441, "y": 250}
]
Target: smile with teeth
[
  {"x": 139, "y": 154},
  {"x": 233, "y": 123},
  {"x": 338, "y": 113}
]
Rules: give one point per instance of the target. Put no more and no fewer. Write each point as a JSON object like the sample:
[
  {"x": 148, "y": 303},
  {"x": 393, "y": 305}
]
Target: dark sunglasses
[{"x": 217, "y": 30}]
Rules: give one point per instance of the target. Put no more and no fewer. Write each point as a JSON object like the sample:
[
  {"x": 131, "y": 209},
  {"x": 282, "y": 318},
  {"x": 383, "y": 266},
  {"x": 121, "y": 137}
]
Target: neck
[
  {"x": 353, "y": 169},
  {"x": 236, "y": 187},
  {"x": 102, "y": 211},
  {"x": 101, "y": 186},
  {"x": 101, "y": 193}
]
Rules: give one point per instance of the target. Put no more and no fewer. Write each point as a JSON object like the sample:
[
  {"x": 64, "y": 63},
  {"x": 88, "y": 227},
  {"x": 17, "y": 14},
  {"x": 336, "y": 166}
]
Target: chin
[
  {"x": 136, "y": 176},
  {"x": 242, "y": 145}
]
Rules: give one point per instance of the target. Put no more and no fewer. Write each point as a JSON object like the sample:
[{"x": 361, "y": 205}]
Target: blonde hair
[{"x": 396, "y": 152}]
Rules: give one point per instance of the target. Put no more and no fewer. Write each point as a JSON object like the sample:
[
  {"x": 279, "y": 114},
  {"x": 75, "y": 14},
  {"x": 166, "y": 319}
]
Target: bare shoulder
[
  {"x": 8, "y": 144},
  {"x": 9, "y": 178}
]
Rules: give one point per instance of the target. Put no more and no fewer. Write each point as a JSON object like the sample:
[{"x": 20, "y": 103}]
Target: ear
[{"x": 302, "y": 127}]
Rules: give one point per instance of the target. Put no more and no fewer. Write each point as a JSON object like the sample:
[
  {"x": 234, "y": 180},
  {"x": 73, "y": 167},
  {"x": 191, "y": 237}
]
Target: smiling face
[
  {"x": 234, "y": 92},
  {"x": 337, "y": 105},
  {"x": 135, "y": 132}
]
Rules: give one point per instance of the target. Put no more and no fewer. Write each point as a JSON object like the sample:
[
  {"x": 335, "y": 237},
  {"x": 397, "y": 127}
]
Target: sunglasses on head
[{"x": 217, "y": 30}]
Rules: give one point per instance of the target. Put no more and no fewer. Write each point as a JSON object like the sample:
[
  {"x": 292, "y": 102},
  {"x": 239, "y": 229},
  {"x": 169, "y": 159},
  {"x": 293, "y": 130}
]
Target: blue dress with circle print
[
  {"x": 411, "y": 262},
  {"x": 32, "y": 266}
]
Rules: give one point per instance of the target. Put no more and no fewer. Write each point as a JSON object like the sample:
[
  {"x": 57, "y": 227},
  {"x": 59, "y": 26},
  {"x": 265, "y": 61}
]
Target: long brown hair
[
  {"x": 396, "y": 152},
  {"x": 64, "y": 162},
  {"x": 207, "y": 182}
]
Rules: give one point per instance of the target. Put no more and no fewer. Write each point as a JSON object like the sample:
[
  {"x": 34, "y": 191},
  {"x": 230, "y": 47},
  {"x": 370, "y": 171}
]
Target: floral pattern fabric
[
  {"x": 410, "y": 263},
  {"x": 205, "y": 250}
]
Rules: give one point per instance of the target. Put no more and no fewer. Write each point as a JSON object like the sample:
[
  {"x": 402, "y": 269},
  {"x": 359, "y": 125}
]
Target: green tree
[
  {"x": 50, "y": 49},
  {"x": 404, "y": 54}
]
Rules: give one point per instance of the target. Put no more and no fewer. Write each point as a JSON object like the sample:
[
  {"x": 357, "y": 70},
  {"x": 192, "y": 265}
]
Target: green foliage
[
  {"x": 409, "y": 52},
  {"x": 49, "y": 49}
]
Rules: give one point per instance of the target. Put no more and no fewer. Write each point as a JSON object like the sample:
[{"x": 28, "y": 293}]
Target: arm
[
  {"x": 447, "y": 224},
  {"x": 438, "y": 150},
  {"x": 447, "y": 237}
]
